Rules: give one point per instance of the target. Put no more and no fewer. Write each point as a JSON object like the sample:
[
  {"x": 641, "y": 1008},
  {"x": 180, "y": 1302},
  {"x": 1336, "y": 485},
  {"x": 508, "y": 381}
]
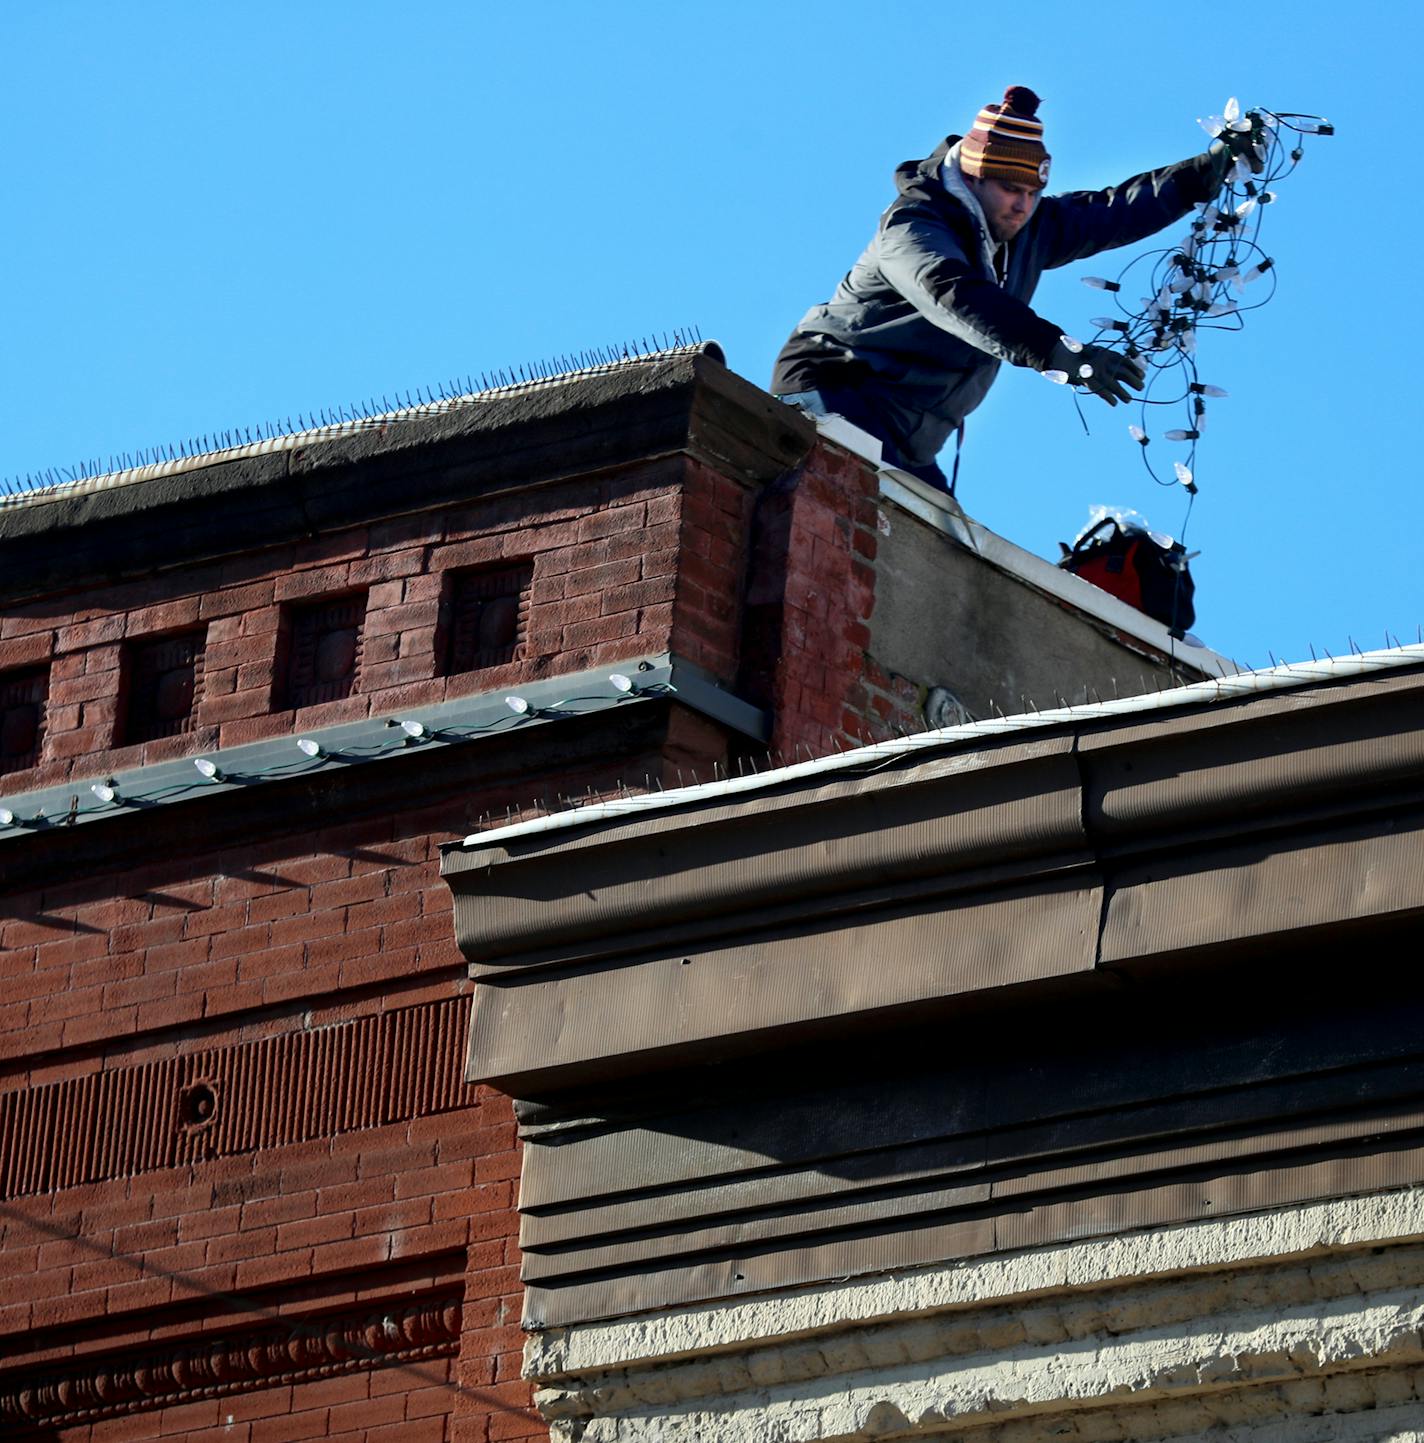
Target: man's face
[{"x": 1007, "y": 205}]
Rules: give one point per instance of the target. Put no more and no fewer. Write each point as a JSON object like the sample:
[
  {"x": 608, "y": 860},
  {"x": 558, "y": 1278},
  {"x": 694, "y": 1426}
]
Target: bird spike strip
[
  {"x": 1204, "y": 282},
  {"x": 375, "y": 411}
]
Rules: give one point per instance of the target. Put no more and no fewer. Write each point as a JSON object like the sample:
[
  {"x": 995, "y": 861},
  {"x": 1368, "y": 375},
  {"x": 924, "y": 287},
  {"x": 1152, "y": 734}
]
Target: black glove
[
  {"x": 1109, "y": 374},
  {"x": 1231, "y": 143}
]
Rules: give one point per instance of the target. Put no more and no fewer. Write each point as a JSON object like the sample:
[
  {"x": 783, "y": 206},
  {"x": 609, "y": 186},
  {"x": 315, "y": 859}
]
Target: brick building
[
  {"x": 247, "y": 1190},
  {"x": 1056, "y": 1076}
]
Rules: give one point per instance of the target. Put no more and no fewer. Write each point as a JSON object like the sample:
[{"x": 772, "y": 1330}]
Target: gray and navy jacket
[{"x": 915, "y": 333}]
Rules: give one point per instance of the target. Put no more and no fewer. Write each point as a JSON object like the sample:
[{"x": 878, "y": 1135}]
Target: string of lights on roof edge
[{"x": 111, "y": 797}]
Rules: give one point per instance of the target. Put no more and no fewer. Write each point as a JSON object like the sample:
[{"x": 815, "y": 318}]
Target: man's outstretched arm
[{"x": 1081, "y": 223}]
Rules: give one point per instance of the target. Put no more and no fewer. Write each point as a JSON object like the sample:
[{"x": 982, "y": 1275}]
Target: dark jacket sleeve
[
  {"x": 1081, "y": 223},
  {"x": 924, "y": 260}
]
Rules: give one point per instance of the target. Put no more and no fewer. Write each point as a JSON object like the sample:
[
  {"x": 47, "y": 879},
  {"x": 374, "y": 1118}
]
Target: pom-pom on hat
[{"x": 1007, "y": 141}]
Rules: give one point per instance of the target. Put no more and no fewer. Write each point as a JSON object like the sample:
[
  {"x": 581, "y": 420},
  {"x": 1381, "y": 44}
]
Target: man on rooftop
[{"x": 912, "y": 339}]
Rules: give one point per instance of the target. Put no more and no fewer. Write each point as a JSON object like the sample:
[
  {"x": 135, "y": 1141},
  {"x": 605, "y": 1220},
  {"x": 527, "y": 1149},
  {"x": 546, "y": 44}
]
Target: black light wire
[{"x": 1219, "y": 249}]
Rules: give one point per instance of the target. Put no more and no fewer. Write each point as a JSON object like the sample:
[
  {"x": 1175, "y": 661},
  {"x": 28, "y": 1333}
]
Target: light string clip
[{"x": 109, "y": 796}]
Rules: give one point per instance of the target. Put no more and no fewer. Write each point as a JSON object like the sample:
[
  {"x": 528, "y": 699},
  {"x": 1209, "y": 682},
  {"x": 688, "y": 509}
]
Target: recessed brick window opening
[
  {"x": 485, "y": 615},
  {"x": 163, "y": 681},
  {"x": 323, "y": 649},
  {"x": 22, "y": 706}
]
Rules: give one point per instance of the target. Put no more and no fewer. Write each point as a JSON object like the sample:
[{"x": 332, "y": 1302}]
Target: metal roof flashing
[
  {"x": 968, "y": 737},
  {"x": 383, "y": 738},
  {"x": 341, "y": 427}
]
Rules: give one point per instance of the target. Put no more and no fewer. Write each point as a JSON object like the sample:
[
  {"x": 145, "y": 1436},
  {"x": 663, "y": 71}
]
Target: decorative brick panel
[
  {"x": 323, "y": 649},
  {"x": 300, "y": 1085},
  {"x": 22, "y": 717},
  {"x": 485, "y": 617},
  {"x": 162, "y": 686}
]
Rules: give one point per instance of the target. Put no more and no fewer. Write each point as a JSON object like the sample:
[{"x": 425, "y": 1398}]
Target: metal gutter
[
  {"x": 379, "y": 738},
  {"x": 1197, "y": 694}
]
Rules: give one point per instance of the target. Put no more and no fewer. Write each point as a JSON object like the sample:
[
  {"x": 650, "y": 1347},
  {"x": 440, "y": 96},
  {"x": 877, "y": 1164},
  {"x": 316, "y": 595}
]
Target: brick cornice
[
  {"x": 691, "y": 405},
  {"x": 273, "y": 1357}
]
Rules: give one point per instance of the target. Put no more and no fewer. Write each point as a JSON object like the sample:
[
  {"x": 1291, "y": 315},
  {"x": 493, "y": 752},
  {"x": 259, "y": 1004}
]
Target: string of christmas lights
[
  {"x": 1206, "y": 281},
  {"x": 406, "y": 732}
]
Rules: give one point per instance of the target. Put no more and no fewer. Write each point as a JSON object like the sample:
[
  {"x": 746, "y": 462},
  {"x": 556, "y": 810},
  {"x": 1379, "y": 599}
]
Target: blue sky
[{"x": 223, "y": 214}]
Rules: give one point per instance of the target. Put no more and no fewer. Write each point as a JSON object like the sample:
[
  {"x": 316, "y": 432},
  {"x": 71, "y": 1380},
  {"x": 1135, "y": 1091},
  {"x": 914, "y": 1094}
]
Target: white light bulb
[
  {"x": 1202, "y": 389},
  {"x": 619, "y": 682},
  {"x": 1099, "y": 284},
  {"x": 1187, "y": 343},
  {"x": 1245, "y": 208},
  {"x": 7, "y": 817},
  {"x": 1184, "y": 475},
  {"x": 106, "y": 791},
  {"x": 1241, "y": 172},
  {"x": 1222, "y": 308},
  {"x": 1107, "y": 323},
  {"x": 1070, "y": 344},
  {"x": 1180, "y": 435},
  {"x": 1231, "y": 114},
  {"x": 517, "y": 705},
  {"x": 1059, "y": 378},
  {"x": 1256, "y": 272},
  {"x": 208, "y": 769},
  {"x": 1180, "y": 283},
  {"x": 1085, "y": 372},
  {"x": 309, "y": 748},
  {"x": 1138, "y": 435},
  {"x": 413, "y": 729},
  {"x": 1212, "y": 124}
]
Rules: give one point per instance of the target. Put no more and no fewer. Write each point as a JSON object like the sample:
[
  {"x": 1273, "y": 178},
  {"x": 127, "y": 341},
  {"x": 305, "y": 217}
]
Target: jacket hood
[
  {"x": 939, "y": 171},
  {"x": 912, "y": 172}
]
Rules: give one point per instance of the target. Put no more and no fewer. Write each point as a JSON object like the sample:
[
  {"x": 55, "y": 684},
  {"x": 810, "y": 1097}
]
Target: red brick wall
[
  {"x": 167, "y": 1269},
  {"x": 241, "y": 969},
  {"x": 307, "y": 980},
  {"x": 606, "y": 585},
  {"x": 810, "y": 593}
]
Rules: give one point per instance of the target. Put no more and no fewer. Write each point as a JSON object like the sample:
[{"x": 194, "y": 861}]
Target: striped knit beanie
[{"x": 1007, "y": 141}]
